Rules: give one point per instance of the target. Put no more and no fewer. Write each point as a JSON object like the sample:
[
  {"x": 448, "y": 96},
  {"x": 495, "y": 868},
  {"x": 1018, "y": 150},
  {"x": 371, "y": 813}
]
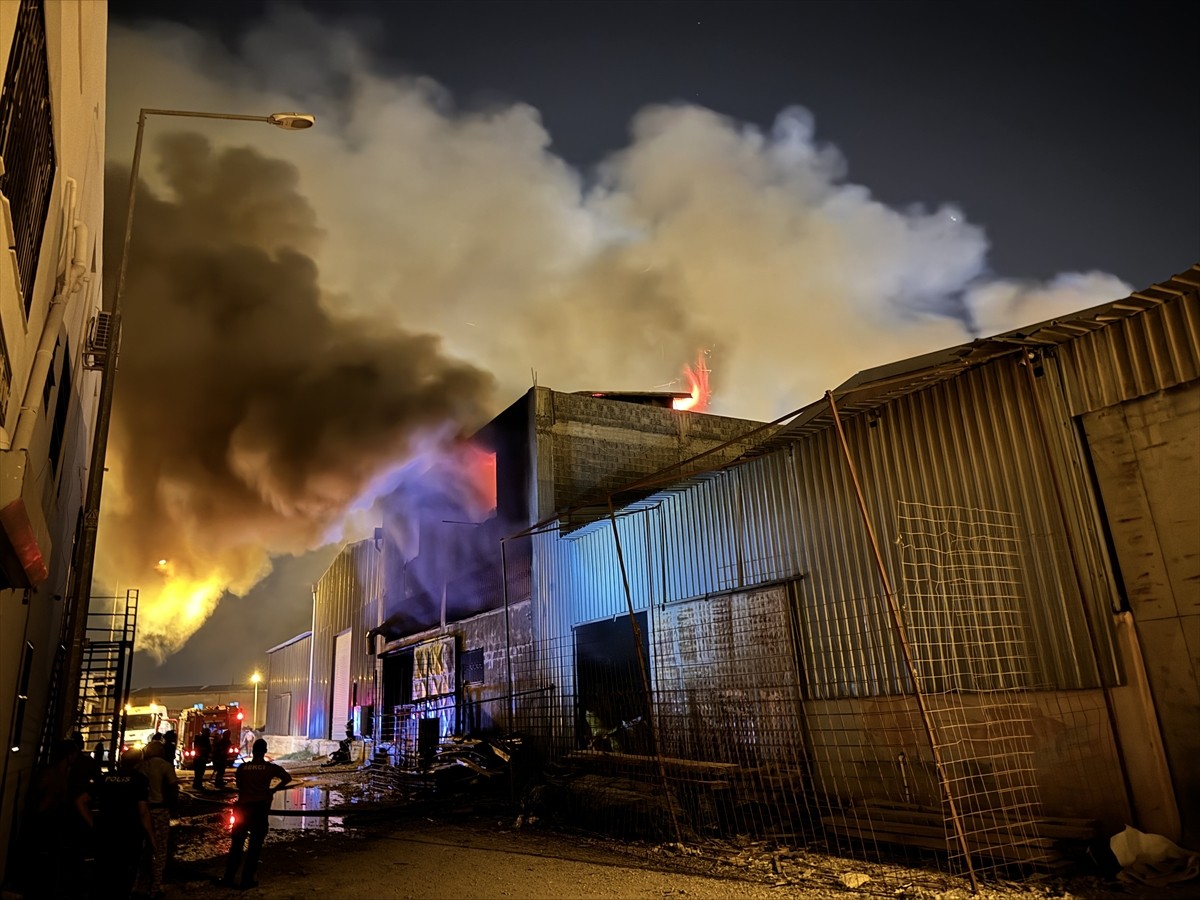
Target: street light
[
  {"x": 85, "y": 547},
  {"x": 256, "y": 678}
]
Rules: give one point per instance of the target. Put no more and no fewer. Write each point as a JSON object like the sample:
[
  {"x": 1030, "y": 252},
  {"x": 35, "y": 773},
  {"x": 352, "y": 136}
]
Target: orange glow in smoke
[
  {"x": 480, "y": 471},
  {"x": 697, "y": 377}
]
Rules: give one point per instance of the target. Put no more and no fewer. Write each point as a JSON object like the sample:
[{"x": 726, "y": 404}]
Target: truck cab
[{"x": 141, "y": 724}]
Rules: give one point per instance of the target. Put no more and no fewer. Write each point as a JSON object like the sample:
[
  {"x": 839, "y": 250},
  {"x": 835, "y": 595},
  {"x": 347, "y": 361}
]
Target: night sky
[
  {"x": 1065, "y": 133},
  {"x": 1069, "y": 130}
]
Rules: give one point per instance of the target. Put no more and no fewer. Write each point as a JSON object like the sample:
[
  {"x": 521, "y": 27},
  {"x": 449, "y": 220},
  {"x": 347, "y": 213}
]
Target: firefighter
[
  {"x": 202, "y": 744},
  {"x": 250, "y": 813},
  {"x": 220, "y": 757}
]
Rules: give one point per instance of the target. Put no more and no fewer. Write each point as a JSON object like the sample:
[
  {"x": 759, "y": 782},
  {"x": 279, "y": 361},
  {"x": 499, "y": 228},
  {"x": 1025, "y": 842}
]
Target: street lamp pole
[{"x": 85, "y": 548}]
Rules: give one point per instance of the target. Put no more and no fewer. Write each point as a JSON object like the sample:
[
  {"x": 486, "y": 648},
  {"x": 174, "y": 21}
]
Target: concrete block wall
[
  {"x": 489, "y": 633},
  {"x": 588, "y": 445}
]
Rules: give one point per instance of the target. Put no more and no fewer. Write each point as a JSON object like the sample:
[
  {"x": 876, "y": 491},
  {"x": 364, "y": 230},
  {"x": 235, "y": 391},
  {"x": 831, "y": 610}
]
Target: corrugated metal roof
[
  {"x": 873, "y": 388},
  {"x": 1066, "y": 328},
  {"x": 290, "y": 641}
]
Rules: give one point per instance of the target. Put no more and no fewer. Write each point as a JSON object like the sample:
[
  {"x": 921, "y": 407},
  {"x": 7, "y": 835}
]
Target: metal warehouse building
[
  {"x": 952, "y": 605},
  {"x": 952, "y": 583}
]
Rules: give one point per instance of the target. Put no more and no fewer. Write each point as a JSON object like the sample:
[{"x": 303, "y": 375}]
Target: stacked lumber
[{"x": 1029, "y": 840}]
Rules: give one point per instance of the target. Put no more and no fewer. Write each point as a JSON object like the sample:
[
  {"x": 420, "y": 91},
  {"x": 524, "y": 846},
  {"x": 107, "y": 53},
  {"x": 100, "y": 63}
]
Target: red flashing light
[{"x": 241, "y": 715}]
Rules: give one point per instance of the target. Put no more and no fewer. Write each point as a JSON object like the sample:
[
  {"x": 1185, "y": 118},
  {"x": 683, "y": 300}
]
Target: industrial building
[
  {"x": 954, "y": 604},
  {"x": 436, "y": 581}
]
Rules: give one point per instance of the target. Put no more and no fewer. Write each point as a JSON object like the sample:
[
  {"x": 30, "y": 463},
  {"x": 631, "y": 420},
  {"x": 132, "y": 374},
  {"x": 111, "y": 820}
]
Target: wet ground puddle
[{"x": 308, "y": 808}]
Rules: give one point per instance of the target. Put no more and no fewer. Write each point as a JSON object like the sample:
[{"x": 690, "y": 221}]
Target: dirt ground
[{"x": 468, "y": 852}]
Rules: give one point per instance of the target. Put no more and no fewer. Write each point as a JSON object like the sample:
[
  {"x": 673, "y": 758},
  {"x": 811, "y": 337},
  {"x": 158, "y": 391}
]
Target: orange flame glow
[
  {"x": 481, "y": 476},
  {"x": 697, "y": 377}
]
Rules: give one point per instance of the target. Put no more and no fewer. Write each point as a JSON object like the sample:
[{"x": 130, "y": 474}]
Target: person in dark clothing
[
  {"x": 164, "y": 791},
  {"x": 202, "y": 744},
  {"x": 122, "y": 826},
  {"x": 220, "y": 757},
  {"x": 171, "y": 745},
  {"x": 250, "y": 813},
  {"x": 57, "y": 827}
]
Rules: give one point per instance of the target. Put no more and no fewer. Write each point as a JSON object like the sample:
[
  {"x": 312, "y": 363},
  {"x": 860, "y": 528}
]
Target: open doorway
[{"x": 612, "y": 711}]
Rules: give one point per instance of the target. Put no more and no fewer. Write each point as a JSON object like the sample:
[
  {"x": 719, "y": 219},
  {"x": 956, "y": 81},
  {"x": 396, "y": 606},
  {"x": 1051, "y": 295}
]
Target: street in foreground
[{"x": 464, "y": 853}]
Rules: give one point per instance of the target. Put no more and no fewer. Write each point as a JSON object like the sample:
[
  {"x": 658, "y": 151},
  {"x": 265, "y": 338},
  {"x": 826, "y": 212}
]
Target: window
[
  {"x": 471, "y": 665},
  {"x": 27, "y": 140}
]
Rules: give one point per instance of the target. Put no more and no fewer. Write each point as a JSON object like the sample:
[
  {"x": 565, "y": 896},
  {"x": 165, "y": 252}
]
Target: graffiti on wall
[{"x": 433, "y": 669}]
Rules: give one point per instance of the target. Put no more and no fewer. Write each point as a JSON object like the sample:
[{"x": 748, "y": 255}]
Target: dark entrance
[
  {"x": 612, "y": 712},
  {"x": 397, "y": 695}
]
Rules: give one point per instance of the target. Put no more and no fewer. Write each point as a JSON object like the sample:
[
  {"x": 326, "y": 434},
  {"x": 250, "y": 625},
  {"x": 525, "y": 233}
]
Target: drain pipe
[{"x": 68, "y": 283}]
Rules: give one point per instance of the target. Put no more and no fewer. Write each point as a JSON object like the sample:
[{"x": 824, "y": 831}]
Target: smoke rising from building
[
  {"x": 291, "y": 326},
  {"x": 248, "y": 421}
]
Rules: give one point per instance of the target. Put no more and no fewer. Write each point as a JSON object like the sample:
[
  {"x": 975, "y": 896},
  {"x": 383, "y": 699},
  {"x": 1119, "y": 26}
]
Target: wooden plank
[
  {"x": 932, "y": 830},
  {"x": 1043, "y": 826},
  {"x": 1012, "y": 852},
  {"x": 650, "y": 761}
]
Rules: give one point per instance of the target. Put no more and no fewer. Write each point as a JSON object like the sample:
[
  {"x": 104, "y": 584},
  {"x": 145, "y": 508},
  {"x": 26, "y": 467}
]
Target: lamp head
[{"x": 292, "y": 121}]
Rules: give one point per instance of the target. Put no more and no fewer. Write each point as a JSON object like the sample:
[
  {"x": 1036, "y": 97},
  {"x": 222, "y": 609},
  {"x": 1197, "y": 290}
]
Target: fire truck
[
  {"x": 217, "y": 718},
  {"x": 142, "y": 723}
]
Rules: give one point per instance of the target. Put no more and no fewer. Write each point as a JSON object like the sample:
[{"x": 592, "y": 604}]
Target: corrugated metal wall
[
  {"x": 348, "y": 596},
  {"x": 971, "y": 443},
  {"x": 732, "y": 531},
  {"x": 287, "y": 674},
  {"x": 1151, "y": 351},
  {"x": 597, "y": 590}
]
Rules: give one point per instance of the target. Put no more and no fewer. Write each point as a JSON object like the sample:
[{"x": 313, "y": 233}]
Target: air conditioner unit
[{"x": 95, "y": 351}]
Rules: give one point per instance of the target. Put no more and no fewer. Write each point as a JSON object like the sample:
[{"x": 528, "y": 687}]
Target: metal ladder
[{"x": 106, "y": 670}]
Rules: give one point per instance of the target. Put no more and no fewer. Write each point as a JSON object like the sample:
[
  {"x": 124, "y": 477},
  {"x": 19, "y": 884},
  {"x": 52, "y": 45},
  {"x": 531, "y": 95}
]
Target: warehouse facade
[{"x": 951, "y": 605}]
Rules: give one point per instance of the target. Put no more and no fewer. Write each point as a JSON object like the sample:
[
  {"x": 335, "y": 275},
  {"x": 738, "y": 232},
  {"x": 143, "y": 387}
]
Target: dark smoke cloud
[{"x": 248, "y": 420}]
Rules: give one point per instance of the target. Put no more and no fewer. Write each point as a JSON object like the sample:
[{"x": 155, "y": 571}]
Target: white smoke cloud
[
  {"x": 702, "y": 232},
  {"x": 1002, "y": 305}
]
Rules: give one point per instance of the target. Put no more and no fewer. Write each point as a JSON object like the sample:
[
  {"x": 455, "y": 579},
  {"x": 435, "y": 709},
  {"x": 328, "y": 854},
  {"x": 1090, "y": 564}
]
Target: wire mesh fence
[{"x": 780, "y": 716}]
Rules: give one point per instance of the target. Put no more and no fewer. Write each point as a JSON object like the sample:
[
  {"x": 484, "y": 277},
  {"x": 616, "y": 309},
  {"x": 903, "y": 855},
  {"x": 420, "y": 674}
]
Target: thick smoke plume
[
  {"x": 248, "y": 421},
  {"x": 256, "y": 405}
]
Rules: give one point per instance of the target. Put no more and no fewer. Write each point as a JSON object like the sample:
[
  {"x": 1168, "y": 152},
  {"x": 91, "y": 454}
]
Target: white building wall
[{"x": 76, "y": 36}]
